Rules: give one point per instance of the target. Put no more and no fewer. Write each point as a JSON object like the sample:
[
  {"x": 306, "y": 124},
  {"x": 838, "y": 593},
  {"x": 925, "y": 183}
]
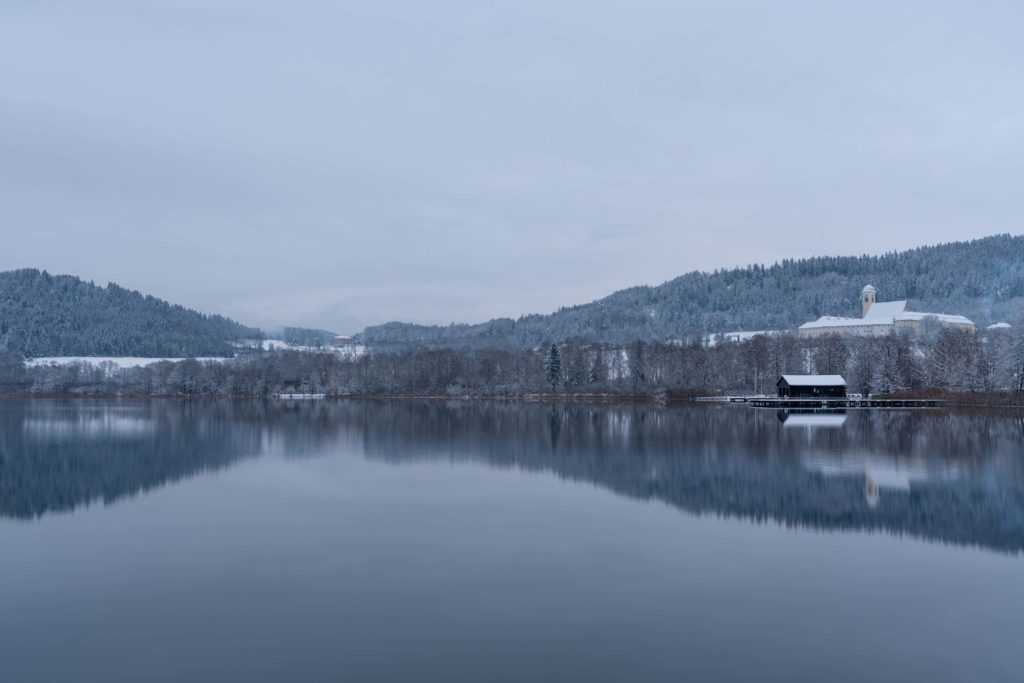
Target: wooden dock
[
  {"x": 824, "y": 403},
  {"x": 813, "y": 403}
]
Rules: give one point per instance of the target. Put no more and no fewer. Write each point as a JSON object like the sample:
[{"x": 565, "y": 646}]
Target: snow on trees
[{"x": 553, "y": 367}]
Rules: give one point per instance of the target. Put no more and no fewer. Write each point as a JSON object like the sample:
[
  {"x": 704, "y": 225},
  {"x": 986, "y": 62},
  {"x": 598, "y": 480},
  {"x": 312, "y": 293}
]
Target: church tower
[{"x": 867, "y": 297}]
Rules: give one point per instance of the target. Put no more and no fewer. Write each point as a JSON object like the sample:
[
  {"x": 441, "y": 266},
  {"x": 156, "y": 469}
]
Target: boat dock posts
[
  {"x": 781, "y": 402},
  {"x": 825, "y": 403}
]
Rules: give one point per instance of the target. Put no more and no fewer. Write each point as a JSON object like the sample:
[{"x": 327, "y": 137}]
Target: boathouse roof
[{"x": 813, "y": 380}]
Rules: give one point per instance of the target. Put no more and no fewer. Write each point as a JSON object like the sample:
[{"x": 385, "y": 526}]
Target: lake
[{"x": 477, "y": 541}]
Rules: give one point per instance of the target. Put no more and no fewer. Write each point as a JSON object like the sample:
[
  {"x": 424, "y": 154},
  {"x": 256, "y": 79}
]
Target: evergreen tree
[
  {"x": 575, "y": 366},
  {"x": 553, "y": 367},
  {"x": 638, "y": 364},
  {"x": 598, "y": 369}
]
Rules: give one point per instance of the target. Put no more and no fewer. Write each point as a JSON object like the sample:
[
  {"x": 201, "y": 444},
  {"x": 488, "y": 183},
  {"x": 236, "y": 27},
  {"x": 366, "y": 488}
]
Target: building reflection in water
[
  {"x": 881, "y": 471},
  {"x": 927, "y": 474}
]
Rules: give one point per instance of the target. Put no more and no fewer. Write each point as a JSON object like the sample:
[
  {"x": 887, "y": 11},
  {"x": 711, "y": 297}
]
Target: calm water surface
[{"x": 394, "y": 541}]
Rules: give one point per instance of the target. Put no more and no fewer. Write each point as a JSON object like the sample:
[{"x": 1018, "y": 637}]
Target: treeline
[
  {"x": 945, "y": 359},
  {"x": 59, "y": 315},
  {"x": 303, "y": 336},
  {"x": 982, "y": 279}
]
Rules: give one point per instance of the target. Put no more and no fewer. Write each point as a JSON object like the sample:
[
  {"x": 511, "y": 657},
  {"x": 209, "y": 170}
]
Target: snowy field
[
  {"x": 119, "y": 362},
  {"x": 348, "y": 351},
  {"x": 715, "y": 339}
]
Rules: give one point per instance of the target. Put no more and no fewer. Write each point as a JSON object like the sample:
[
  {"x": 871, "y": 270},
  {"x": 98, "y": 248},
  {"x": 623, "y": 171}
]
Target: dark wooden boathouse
[{"x": 811, "y": 386}]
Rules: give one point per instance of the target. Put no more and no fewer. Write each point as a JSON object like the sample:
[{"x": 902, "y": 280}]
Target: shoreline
[
  {"x": 1013, "y": 402},
  {"x": 526, "y": 397}
]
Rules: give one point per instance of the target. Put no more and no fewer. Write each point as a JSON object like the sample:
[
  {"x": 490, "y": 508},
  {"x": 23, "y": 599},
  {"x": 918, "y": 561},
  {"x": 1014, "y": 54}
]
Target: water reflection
[
  {"x": 932, "y": 475},
  {"x": 952, "y": 478},
  {"x": 57, "y": 455},
  {"x": 812, "y": 419}
]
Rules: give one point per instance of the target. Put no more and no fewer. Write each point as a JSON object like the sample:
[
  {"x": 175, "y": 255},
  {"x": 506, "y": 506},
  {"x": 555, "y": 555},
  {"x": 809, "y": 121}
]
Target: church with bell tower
[
  {"x": 880, "y": 318},
  {"x": 867, "y": 297}
]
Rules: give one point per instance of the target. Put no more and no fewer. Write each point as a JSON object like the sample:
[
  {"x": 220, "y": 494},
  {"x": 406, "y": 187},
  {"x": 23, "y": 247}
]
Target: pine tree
[
  {"x": 638, "y": 364},
  {"x": 553, "y": 367},
  {"x": 599, "y": 369}
]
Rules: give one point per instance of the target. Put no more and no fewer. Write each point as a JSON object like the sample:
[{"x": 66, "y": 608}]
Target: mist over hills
[
  {"x": 982, "y": 279},
  {"x": 62, "y": 315}
]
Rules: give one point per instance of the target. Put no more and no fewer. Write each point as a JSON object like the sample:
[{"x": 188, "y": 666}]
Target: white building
[{"x": 879, "y": 319}]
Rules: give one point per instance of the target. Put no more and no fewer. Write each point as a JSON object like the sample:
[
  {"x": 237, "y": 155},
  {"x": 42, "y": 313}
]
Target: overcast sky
[{"x": 337, "y": 164}]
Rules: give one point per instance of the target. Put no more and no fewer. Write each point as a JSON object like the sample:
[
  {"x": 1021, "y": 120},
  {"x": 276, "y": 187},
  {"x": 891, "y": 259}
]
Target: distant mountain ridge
[
  {"x": 62, "y": 315},
  {"x": 982, "y": 279}
]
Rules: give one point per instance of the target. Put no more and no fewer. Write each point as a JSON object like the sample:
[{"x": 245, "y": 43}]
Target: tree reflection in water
[{"x": 933, "y": 475}]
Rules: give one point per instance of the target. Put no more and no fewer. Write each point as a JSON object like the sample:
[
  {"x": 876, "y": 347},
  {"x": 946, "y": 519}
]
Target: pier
[
  {"x": 812, "y": 403},
  {"x": 825, "y": 403}
]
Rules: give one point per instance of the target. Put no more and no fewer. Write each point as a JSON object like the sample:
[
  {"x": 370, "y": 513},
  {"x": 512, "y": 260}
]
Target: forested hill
[
  {"x": 62, "y": 315},
  {"x": 982, "y": 279}
]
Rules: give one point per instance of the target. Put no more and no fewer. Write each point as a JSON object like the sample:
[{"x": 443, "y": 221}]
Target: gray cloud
[{"x": 338, "y": 165}]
